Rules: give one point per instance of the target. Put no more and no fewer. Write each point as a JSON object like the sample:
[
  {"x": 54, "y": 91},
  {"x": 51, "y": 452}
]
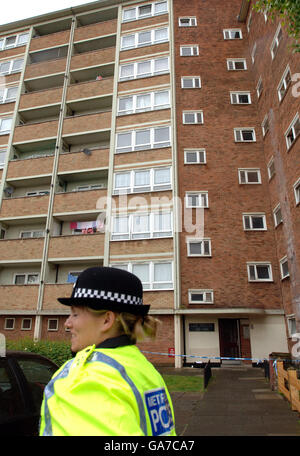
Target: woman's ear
[{"x": 109, "y": 320}]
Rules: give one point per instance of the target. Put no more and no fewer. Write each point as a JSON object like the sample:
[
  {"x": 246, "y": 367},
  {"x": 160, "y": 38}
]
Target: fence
[
  {"x": 207, "y": 374},
  {"x": 289, "y": 385}
]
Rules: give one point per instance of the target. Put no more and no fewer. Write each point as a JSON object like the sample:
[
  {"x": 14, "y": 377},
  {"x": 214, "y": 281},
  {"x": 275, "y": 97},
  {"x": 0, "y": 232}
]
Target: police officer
[{"x": 109, "y": 388}]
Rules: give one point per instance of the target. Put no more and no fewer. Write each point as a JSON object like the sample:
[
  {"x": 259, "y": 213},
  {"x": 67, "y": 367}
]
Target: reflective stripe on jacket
[{"x": 114, "y": 392}]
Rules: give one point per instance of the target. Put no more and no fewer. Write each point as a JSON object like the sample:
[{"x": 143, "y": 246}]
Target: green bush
[{"x": 58, "y": 351}]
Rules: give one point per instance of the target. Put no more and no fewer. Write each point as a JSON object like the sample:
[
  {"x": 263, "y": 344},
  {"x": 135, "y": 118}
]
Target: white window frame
[
  {"x": 38, "y": 193},
  {"x": 291, "y": 130},
  {"x": 276, "y": 211},
  {"x": 256, "y": 265},
  {"x": 259, "y": 88},
  {"x": 265, "y": 126},
  {"x": 253, "y": 52},
  {"x": 249, "y": 21},
  {"x": 283, "y": 261},
  {"x": 26, "y": 276},
  {"x": 291, "y": 322},
  {"x": 147, "y": 146},
  {"x": 22, "y": 324},
  {"x": 5, "y": 132},
  {"x": 152, "y": 106},
  {"x": 227, "y": 34},
  {"x": 248, "y": 225},
  {"x": 296, "y": 187},
  {"x": 191, "y": 21},
  {"x": 202, "y": 197},
  {"x": 5, "y": 98},
  {"x": 13, "y": 324},
  {"x": 73, "y": 273},
  {"x": 138, "y": 16},
  {"x": 194, "y": 48},
  {"x": 200, "y": 156},
  {"x": 17, "y": 43},
  {"x": 244, "y": 179},
  {"x": 234, "y": 98},
  {"x": 84, "y": 188},
  {"x": 196, "y": 82},
  {"x": 284, "y": 83},
  {"x": 151, "y": 42},
  {"x": 205, "y": 294},
  {"x": 151, "y": 285},
  {"x": 271, "y": 168},
  {"x": 151, "y": 187},
  {"x": 197, "y": 117},
  {"x": 276, "y": 42},
  {"x": 3, "y": 153},
  {"x": 152, "y": 233},
  {"x": 231, "y": 64},
  {"x": 204, "y": 244},
  {"x": 32, "y": 234},
  {"x": 11, "y": 67},
  {"x": 48, "y": 324},
  {"x": 153, "y": 72},
  {"x": 238, "y": 134}
]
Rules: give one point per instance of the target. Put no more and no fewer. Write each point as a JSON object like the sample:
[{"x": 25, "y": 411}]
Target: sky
[{"x": 15, "y": 10}]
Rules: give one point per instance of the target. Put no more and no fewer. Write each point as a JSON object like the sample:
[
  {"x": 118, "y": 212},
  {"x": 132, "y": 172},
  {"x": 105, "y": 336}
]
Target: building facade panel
[
  {"x": 24, "y": 206},
  {"x": 81, "y": 245},
  {"x": 48, "y": 41},
  {"x": 98, "y": 158},
  {"x": 14, "y": 298},
  {"x": 95, "y": 30},
  {"x": 45, "y": 97},
  {"x": 30, "y": 167},
  {"x": 35, "y": 70},
  {"x": 21, "y": 249}
]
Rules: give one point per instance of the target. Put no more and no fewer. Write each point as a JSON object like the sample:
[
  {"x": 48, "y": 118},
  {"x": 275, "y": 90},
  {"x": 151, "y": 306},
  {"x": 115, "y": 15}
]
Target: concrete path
[{"x": 237, "y": 402}]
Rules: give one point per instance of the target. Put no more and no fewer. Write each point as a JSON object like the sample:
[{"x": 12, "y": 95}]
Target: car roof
[{"x": 25, "y": 354}]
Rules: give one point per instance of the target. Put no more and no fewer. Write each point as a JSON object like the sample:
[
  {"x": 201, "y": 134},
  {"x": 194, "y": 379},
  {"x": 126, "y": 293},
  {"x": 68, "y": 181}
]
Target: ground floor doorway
[{"x": 229, "y": 334}]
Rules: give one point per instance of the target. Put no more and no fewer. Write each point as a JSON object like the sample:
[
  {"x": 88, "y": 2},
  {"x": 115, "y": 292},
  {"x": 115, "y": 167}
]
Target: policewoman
[{"x": 109, "y": 388}]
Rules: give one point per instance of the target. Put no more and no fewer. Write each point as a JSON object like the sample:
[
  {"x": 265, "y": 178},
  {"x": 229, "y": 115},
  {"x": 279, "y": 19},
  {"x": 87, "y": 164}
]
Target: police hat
[{"x": 108, "y": 289}]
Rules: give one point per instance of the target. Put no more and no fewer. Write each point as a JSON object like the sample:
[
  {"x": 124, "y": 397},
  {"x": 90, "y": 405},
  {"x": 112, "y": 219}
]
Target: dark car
[{"x": 23, "y": 377}]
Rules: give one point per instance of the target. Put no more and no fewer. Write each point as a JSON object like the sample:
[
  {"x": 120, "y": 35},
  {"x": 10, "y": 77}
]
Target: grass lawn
[{"x": 184, "y": 383}]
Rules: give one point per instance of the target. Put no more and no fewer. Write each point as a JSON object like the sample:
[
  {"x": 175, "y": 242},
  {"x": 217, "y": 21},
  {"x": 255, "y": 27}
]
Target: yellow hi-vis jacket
[{"x": 108, "y": 392}]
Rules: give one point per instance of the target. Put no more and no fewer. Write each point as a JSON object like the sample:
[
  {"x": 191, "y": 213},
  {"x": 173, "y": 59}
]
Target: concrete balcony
[
  {"x": 90, "y": 89},
  {"x": 21, "y": 249},
  {"x": 86, "y": 123},
  {"x": 47, "y": 41},
  {"x": 24, "y": 206},
  {"x": 76, "y": 246},
  {"x": 54, "y": 291},
  {"x": 93, "y": 58},
  {"x": 36, "y": 70},
  {"x": 16, "y": 297},
  {"x": 77, "y": 201},
  {"x": 95, "y": 30},
  {"x": 99, "y": 158},
  {"x": 45, "y": 97},
  {"x": 35, "y": 131}
]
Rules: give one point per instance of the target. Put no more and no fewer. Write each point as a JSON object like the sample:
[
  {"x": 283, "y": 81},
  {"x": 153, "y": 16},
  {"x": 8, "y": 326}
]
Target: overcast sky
[{"x": 15, "y": 10}]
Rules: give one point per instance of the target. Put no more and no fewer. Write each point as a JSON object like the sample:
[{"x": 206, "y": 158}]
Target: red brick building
[{"x": 135, "y": 135}]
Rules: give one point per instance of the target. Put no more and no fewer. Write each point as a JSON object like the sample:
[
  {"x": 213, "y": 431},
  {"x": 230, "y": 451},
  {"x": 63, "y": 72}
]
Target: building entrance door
[{"x": 229, "y": 337}]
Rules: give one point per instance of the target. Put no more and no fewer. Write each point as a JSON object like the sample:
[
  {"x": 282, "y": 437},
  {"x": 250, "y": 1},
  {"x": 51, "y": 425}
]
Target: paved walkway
[{"x": 237, "y": 402}]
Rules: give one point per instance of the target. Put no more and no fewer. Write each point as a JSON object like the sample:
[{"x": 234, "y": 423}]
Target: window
[
  {"x": 259, "y": 272},
  {"x": 291, "y": 320},
  {"x": 144, "y": 102},
  {"x": 140, "y": 12},
  {"x": 275, "y": 43},
  {"x": 188, "y": 51},
  {"x": 9, "y": 323},
  {"x": 192, "y": 117},
  {"x": 52, "y": 324},
  {"x": 198, "y": 247},
  {"x": 277, "y": 215},
  {"x": 26, "y": 279},
  {"x": 240, "y": 98},
  {"x": 249, "y": 21},
  {"x": 72, "y": 276},
  {"x": 253, "y": 52},
  {"x": 187, "y": 22},
  {"x": 194, "y": 156},
  {"x": 244, "y": 135},
  {"x": 196, "y": 199},
  {"x": 153, "y": 275},
  {"x": 254, "y": 222},
  {"x": 236, "y": 64},
  {"x": 142, "y": 180},
  {"x": 83, "y": 188},
  {"x": 191, "y": 82},
  {"x": 8, "y": 95},
  {"x": 293, "y": 131},
  {"x": 12, "y": 66},
  {"x": 2, "y": 158},
  {"x": 148, "y": 138},
  {"x": 232, "y": 34},
  {"x": 5, "y": 125},
  {"x": 142, "y": 226},
  {"x": 284, "y": 268},
  {"x": 297, "y": 191},
  {"x": 259, "y": 87},
  {"x": 145, "y": 38},
  {"x": 38, "y": 193},
  {"x": 13, "y": 41},
  {"x": 201, "y": 296},
  {"x": 271, "y": 168},
  {"x": 265, "y": 125},
  {"x": 284, "y": 83},
  {"x": 144, "y": 69},
  {"x": 32, "y": 234},
  {"x": 26, "y": 324}
]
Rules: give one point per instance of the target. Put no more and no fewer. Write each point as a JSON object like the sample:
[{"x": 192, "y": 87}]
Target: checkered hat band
[{"x": 107, "y": 295}]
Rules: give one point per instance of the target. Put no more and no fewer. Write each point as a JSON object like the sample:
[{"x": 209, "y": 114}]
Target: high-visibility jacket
[{"x": 111, "y": 391}]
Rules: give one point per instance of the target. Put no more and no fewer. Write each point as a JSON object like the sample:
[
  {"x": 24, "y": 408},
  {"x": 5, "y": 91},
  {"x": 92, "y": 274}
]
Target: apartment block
[{"x": 135, "y": 136}]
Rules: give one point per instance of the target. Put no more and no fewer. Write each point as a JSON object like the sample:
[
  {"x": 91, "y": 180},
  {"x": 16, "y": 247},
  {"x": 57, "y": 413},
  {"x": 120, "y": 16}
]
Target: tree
[{"x": 288, "y": 12}]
